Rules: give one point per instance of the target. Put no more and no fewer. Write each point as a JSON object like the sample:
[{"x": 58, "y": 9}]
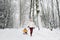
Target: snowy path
[{"x": 42, "y": 34}]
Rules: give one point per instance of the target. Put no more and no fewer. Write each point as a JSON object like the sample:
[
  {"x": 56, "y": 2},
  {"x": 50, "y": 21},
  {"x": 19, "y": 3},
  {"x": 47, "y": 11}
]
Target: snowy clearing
[{"x": 17, "y": 34}]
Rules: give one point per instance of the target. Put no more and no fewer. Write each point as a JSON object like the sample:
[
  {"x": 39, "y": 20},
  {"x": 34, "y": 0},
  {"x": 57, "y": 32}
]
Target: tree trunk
[
  {"x": 58, "y": 11},
  {"x": 37, "y": 12}
]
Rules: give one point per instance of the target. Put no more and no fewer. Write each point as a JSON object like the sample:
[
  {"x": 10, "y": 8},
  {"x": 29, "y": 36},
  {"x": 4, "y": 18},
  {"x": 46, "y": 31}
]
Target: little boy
[{"x": 25, "y": 31}]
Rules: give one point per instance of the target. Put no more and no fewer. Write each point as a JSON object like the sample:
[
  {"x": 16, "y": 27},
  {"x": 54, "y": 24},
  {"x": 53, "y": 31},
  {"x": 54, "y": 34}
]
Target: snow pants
[{"x": 31, "y": 31}]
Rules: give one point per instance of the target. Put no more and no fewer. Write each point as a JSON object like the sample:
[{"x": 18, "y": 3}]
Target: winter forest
[
  {"x": 29, "y": 19},
  {"x": 16, "y": 13}
]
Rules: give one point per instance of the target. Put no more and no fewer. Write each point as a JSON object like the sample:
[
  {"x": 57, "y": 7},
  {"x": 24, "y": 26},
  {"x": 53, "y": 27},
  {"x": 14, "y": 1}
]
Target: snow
[{"x": 17, "y": 34}]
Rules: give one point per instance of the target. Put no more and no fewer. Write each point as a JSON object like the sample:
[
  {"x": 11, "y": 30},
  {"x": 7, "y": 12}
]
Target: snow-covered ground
[{"x": 17, "y": 34}]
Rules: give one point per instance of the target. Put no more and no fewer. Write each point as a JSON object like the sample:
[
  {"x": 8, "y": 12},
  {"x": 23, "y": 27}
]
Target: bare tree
[
  {"x": 58, "y": 11},
  {"x": 37, "y": 13},
  {"x": 30, "y": 9},
  {"x": 43, "y": 15}
]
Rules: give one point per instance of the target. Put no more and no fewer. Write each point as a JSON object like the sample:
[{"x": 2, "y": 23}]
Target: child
[{"x": 25, "y": 31}]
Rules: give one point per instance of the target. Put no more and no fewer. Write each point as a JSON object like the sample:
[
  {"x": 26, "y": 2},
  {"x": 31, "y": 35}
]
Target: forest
[{"x": 14, "y": 13}]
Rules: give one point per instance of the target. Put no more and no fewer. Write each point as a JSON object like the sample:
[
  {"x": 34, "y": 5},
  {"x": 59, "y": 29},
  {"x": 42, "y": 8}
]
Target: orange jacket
[{"x": 25, "y": 30}]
